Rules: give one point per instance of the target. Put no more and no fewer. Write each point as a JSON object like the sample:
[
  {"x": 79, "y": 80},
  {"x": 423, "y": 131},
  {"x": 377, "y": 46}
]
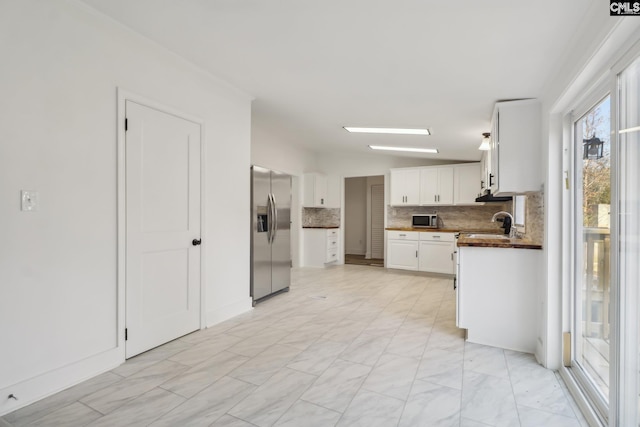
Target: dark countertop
[
  {"x": 464, "y": 240},
  {"x": 442, "y": 230},
  {"x": 321, "y": 226}
]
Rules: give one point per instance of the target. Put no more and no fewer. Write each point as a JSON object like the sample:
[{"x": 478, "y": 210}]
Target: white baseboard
[
  {"x": 44, "y": 385},
  {"x": 221, "y": 314}
]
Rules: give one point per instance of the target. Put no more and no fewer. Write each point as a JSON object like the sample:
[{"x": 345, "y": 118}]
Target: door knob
[{"x": 196, "y": 242}]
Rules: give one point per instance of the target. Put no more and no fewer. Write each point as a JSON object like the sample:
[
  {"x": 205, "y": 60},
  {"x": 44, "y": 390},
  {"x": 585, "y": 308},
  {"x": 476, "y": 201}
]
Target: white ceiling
[{"x": 314, "y": 67}]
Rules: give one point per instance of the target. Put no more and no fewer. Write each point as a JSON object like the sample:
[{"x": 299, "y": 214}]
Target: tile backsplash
[
  {"x": 534, "y": 217},
  {"x": 320, "y": 217},
  {"x": 476, "y": 217},
  {"x": 456, "y": 217}
]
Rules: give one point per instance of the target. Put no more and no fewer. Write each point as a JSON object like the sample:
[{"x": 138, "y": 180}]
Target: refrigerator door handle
[
  {"x": 274, "y": 206},
  {"x": 269, "y": 220}
]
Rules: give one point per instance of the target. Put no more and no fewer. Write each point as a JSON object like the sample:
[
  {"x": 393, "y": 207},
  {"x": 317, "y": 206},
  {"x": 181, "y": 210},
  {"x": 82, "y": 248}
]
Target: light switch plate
[{"x": 29, "y": 200}]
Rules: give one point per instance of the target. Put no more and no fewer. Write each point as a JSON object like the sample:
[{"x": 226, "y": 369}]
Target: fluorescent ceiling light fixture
[
  {"x": 389, "y": 130},
  {"x": 637, "y": 128},
  {"x": 410, "y": 149}
]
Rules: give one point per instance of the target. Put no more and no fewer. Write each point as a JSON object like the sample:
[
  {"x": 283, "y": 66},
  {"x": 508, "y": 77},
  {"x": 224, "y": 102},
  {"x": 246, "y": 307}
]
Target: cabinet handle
[
  {"x": 436, "y": 236},
  {"x": 402, "y": 235},
  {"x": 435, "y": 198},
  {"x": 490, "y": 179},
  {"x": 416, "y": 254},
  {"x": 322, "y": 201}
]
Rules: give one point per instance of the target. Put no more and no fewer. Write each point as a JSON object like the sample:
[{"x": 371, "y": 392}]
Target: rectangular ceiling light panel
[
  {"x": 397, "y": 131},
  {"x": 409, "y": 149}
]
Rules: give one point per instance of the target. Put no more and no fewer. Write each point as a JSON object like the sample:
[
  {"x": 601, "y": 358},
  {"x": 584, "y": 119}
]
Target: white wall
[
  {"x": 270, "y": 151},
  {"x": 62, "y": 65},
  {"x": 355, "y": 216},
  {"x": 369, "y": 165}
]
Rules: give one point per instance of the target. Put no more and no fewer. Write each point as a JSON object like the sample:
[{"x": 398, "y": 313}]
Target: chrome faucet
[{"x": 509, "y": 228}]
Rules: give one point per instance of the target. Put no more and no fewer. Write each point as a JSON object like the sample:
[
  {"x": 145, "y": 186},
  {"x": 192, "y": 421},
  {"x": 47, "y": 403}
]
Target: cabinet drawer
[
  {"x": 437, "y": 237},
  {"x": 332, "y": 243},
  {"x": 332, "y": 232},
  {"x": 332, "y": 255},
  {"x": 403, "y": 235}
]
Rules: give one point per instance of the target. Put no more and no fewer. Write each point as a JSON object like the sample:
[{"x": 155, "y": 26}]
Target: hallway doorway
[{"x": 364, "y": 220}]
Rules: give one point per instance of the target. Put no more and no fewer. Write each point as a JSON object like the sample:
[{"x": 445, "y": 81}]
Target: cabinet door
[
  {"x": 466, "y": 181},
  {"x": 402, "y": 254},
  {"x": 460, "y": 320},
  {"x": 320, "y": 190},
  {"x": 436, "y": 186},
  {"x": 494, "y": 152},
  {"x": 484, "y": 173},
  {"x": 445, "y": 186},
  {"x": 429, "y": 186},
  {"x": 436, "y": 257},
  {"x": 405, "y": 186},
  {"x": 515, "y": 160},
  {"x": 315, "y": 190}
]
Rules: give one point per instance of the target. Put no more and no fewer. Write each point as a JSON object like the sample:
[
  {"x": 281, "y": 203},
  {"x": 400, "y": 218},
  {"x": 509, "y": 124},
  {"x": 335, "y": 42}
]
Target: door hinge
[
  {"x": 126, "y": 124},
  {"x": 126, "y": 334}
]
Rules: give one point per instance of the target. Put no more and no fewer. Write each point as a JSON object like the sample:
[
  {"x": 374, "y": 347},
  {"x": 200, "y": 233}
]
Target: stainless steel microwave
[{"x": 424, "y": 221}]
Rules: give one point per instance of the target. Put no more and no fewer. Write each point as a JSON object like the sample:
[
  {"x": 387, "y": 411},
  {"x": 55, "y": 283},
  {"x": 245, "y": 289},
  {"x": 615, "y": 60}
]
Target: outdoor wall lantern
[{"x": 592, "y": 148}]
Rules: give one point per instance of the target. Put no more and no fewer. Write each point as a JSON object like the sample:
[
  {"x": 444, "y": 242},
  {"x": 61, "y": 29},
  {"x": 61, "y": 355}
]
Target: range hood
[{"x": 488, "y": 197}]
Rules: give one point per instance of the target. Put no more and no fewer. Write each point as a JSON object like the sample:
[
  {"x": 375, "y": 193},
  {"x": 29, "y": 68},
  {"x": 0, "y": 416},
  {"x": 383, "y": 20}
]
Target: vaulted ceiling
[{"x": 314, "y": 67}]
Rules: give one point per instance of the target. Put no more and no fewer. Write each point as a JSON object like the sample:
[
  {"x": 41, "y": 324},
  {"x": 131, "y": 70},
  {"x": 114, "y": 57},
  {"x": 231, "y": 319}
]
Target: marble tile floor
[{"x": 347, "y": 346}]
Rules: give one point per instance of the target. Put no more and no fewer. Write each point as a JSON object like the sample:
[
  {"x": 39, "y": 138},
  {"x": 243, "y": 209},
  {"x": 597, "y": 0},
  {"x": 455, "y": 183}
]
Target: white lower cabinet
[
  {"x": 497, "y": 296},
  {"x": 320, "y": 246},
  {"x": 436, "y": 252},
  {"x": 402, "y": 249},
  {"x": 421, "y": 251}
]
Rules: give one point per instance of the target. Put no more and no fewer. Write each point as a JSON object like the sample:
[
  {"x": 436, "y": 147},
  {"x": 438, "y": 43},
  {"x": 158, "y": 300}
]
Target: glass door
[
  {"x": 592, "y": 252},
  {"x": 628, "y": 258}
]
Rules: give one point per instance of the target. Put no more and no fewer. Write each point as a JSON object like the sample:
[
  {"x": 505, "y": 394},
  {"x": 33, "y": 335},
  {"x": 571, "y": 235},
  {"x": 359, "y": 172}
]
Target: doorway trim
[{"x": 124, "y": 95}]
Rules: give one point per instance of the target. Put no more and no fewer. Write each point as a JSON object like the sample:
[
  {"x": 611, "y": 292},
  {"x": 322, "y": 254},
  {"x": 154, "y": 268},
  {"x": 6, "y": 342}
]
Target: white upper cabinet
[
  {"x": 484, "y": 167},
  {"x": 315, "y": 190},
  {"x": 515, "y": 147},
  {"x": 436, "y": 186},
  {"x": 467, "y": 183},
  {"x": 405, "y": 186}
]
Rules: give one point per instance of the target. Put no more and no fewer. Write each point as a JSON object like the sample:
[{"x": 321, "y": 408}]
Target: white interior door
[{"x": 162, "y": 227}]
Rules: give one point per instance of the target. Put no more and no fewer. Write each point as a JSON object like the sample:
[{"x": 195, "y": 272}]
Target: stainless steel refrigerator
[{"x": 270, "y": 232}]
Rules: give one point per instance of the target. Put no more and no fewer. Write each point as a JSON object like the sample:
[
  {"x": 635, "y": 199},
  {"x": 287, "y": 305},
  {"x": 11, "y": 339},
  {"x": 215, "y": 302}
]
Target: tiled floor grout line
[
  {"x": 355, "y": 295},
  {"x": 513, "y": 393}
]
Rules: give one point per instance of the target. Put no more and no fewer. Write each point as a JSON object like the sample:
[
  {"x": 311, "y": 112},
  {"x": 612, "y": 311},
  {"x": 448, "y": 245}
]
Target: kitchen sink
[{"x": 488, "y": 236}]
